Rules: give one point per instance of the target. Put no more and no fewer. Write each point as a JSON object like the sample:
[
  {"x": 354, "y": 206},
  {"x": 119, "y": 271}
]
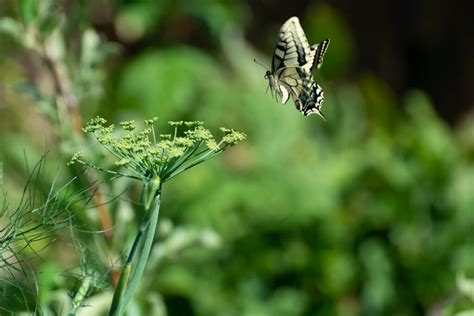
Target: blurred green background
[{"x": 369, "y": 213}]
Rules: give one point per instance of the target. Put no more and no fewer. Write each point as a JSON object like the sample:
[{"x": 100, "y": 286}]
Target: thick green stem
[
  {"x": 80, "y": 296},
  {"x": 133, "y": 268}
]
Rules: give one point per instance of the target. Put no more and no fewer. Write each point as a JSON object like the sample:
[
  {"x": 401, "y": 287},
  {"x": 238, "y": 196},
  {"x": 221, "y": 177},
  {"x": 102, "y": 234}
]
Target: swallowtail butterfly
[{"x": 292, "y": 65}]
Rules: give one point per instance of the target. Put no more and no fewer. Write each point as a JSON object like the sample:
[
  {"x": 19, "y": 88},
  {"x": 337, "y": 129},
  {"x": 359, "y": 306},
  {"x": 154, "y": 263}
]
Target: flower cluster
[{"x": 148, "y": 155}]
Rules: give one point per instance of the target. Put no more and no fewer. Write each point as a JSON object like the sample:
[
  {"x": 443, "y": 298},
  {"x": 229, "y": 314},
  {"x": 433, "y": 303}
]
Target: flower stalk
[
  {"x": 153, "y": 159},
  {"x": 133, "y": 268}
]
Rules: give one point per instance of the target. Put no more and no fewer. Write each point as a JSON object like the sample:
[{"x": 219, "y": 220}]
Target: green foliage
[
  {"x": 137, "y": 88},
  {"x": 27, "y": 229},
  {"x": 352, "y": 216},
  {"x": 369, "y": 213}
]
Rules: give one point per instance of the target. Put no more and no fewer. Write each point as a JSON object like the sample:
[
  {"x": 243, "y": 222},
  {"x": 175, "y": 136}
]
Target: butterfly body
[
  {"x": 276, "y": 88},
  {"x": 292, "y": 65}
]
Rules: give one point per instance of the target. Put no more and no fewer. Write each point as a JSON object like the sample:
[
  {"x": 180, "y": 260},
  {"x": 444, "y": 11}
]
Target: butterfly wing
[
  {"x": 292, "y": 79},
  {"x": 292, "y": 49},
  {"x": 311, "y": 95},
  {"x": 306, "y": 93},
  {"x": 291, "y": 52},
  {"x": 292, "y": 65},
  {"x": 310, "y": 98},
  {"x": 317, "y": 54}
]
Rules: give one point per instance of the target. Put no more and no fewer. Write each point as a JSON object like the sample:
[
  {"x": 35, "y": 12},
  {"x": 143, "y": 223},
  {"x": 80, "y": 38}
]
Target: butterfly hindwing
[{"x": 311, "y": 99}]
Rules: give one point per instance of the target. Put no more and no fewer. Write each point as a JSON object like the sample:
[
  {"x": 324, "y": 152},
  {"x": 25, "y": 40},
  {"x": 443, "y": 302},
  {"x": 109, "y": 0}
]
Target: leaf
[
  {"x": 469, "y": 312},
  {"x": 48, "y": 24},
  {"x": 1, "y": 170},
  {"x": 465, "y": 285},
  {"x": 29, "y": 89},
  {"x": 157, "y": 304},
  {"x": 48, "y": 280},
  {"x": 28, "y": 10},
  {"x": 44, "y": 104},
  {"x": 11, "y": 28},
  {"x": 90, "y": 45},
  {"x": 172, "y": 80}
]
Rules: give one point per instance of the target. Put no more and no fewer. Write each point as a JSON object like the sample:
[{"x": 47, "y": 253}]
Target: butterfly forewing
[
  {"x": 292, "y": 49},
  {"x": 291, "y": 52},
  {"x": 318, "y": 51}
]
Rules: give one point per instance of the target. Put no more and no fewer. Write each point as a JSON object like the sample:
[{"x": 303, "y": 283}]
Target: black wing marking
[
  {"x": 293, "y": 79},
  {"x": 311, "y": 98},
  {"x": 292, "y": 65},
  {"x": 292, "y": 49},
  {"x": 318, "y": 51}
]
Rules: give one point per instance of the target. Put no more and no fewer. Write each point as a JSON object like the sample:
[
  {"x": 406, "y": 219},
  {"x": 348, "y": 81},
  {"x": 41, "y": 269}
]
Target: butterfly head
[
  {"x": 271, "y": 80},
  {"x": 268, "y": 75},
  {"x": 276, "y": 90}
]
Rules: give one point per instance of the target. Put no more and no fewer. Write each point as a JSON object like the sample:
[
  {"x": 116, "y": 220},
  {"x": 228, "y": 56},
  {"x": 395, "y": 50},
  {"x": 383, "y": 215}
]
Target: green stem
[
  {"x": 197, "y": 162},
  {"x": 132, "y": 271},
  {"x": 182, "y": 160},
  {"x": 80, "y": 296}
]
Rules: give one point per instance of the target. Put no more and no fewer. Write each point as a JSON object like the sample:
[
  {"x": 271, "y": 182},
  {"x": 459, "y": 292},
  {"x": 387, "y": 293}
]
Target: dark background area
[{"x": 411, "y": 44}]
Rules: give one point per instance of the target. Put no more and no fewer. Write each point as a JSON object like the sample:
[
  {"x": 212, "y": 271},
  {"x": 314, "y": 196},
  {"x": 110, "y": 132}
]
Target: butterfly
[{"x": 292, "y": 66}]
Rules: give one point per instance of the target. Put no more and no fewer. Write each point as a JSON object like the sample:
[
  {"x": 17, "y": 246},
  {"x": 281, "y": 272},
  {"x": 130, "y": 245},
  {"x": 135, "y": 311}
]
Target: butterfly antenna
[{"x": 261, "y": 64}]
